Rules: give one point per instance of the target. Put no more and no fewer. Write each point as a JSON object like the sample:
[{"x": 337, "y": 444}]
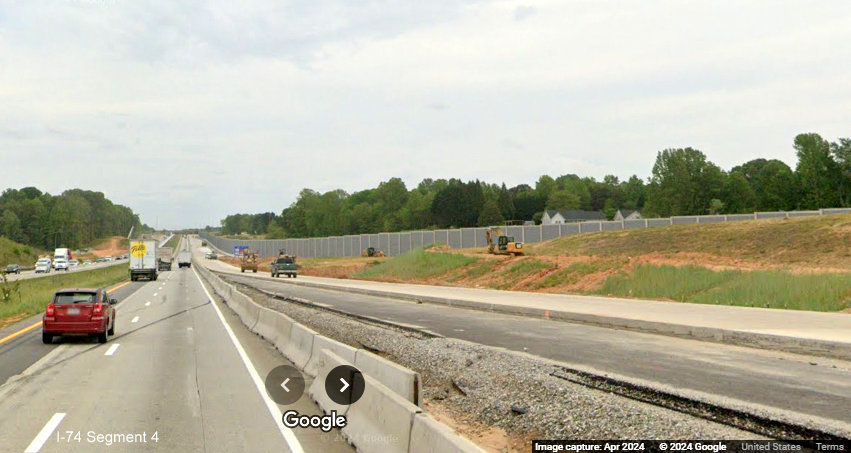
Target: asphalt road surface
[
  {"x": 26, "y": 275},
  {"x": 180, "y": 367},
  {"x": 806, "y": 385}
]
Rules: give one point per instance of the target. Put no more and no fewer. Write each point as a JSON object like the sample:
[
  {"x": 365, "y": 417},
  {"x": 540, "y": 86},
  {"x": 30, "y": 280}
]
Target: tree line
[
  {"x": 74, "y": 219},
  {"x": 683, "y": 182}
]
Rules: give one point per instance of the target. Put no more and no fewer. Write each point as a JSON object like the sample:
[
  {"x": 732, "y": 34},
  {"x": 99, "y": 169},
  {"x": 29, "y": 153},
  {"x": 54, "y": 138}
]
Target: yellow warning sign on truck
[{"x": 139, "y": 249}]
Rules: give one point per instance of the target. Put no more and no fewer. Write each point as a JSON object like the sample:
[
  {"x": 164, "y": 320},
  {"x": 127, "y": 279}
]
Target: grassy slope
[
  {"x": 807, "y": 241},
  {"x": 173, "y": 242},
  {"x": 417, "y": 264},
  {"x": 799, "y": 263},
  {"x": 35, "y": 293},
  {"x": 12, "y": 252}
]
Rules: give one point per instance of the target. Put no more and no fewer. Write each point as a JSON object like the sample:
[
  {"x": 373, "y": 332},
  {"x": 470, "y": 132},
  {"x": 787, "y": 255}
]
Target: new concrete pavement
[
  {"x": 801, "y": 384},
  {"x": 180, "y": 367},
  {"x": 827, "y": 334}
]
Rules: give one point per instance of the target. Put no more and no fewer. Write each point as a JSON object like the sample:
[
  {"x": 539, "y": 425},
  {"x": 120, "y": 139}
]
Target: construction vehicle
[
  {"x": 249, "y": 261},
  {"x": 371, "y": 252},
  {"x": 504, "y": 245},
  {"x": 284, "y": 264}
]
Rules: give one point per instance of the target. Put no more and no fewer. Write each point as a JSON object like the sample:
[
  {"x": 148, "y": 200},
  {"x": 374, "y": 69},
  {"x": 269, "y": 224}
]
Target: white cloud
[{"x": 187, "y": 111}]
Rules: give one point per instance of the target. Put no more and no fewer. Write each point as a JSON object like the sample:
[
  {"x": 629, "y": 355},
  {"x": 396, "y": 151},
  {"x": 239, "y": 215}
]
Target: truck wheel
[
  {"x": 47, "y": 338},
  {"x": 111, "y": 330},
  {"x": 242, "y": 270},
  {"x": 102, "y": 337},
  {"x": 255, "y": 271},
  {"x": 295, "y": 275}
]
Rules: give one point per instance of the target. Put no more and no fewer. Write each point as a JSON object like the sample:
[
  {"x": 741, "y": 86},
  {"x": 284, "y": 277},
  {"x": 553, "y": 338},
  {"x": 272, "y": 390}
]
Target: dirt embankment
[{"x": 582, "y": 263}]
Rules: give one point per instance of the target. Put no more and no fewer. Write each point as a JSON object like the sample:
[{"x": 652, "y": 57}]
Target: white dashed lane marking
[{"x": 45, "y": 433}]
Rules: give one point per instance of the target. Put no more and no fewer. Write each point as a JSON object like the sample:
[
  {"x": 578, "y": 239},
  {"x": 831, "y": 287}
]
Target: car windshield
[
  {"x": 285, "y": 261},
  {"x": 75, "y": 298}
]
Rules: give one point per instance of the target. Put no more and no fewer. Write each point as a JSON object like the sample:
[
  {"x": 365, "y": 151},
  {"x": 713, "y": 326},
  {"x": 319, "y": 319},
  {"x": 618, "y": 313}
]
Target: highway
[
  {"x": 26, "y": 275},
  {"x": 812, "y": 386},
  {"x": 180, "y": 367}
]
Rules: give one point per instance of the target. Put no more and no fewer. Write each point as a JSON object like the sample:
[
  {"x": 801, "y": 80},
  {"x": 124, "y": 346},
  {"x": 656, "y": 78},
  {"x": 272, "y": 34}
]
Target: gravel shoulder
[{"x": 502, "y": 399}]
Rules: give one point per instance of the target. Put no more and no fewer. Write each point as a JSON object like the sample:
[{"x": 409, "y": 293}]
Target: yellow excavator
[
  {"x": 504, "y": 245},
  {"x": 372, "y": 252}
]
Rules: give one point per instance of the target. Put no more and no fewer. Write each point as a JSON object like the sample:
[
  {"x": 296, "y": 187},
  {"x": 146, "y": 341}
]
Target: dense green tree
[
  {"x": 75, "y": 218},
  {"x": 683, "y": 183},
  {"x": 738, "y": 195},
  {"x": 841, "y": 151},
  {"x": 773, "y": 183},
  {"x": 818, "y": 174},
  {"x": 490, "y": 214},
  {"x": 563, "y": 199}
]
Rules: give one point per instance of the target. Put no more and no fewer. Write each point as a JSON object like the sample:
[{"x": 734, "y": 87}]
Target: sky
[{"x": 188, "y": 111}]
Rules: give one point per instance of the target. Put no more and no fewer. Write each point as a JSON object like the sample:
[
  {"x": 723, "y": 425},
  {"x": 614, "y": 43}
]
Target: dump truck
[
  {"x": 249, "y": 261},
  {"x": 500, "y": 244},
  {"x": 284, "y": 264},
  {"x": 143, "y": 260},
  {"x": 164, "y": 258}
]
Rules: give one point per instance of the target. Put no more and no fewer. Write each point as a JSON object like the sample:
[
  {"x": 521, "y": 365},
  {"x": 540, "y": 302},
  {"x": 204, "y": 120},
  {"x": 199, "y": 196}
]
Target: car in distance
[
  {"x": 73, "y": 263},
  {"x": 42, "y": 266},
  {"x": 212, "y": 256},
  {"x": 13, "y": 269},
  {"x": 60, "y": 264},
  {"x": 79, "y": 311}
]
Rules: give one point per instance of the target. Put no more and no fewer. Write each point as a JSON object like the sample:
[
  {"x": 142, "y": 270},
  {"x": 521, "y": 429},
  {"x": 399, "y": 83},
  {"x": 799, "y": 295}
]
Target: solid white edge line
[
  {"x": 45, "y": 433},
  {"x": 289, "y": 435},
  {"x": 112, "y": 349}
]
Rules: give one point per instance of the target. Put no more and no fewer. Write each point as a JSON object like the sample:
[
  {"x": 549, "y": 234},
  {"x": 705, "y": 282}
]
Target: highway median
[{"x": 29, "y": 297}]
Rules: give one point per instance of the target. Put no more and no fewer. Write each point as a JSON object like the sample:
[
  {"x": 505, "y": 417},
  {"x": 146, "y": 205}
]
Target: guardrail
[
  {"x": 398, "y": 243},
  {"x": 387, "y": 418}
]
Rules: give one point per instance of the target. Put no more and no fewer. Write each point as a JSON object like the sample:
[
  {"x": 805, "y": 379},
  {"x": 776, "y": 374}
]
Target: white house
[
  {"x": 627, "y": 214},
  {"x": 570, "y": 216}
]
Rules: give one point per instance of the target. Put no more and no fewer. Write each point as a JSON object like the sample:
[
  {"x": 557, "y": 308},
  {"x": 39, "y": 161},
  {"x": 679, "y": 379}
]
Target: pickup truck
[{"x": 284, "y": 264}]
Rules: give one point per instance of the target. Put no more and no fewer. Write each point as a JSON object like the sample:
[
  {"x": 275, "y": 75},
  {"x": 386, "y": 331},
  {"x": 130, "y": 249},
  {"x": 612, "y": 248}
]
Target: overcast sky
[{"x": 187, "y": 110}]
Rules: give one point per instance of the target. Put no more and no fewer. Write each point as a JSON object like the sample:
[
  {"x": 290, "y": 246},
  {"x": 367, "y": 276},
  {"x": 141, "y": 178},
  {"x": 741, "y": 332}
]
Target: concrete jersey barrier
[
  {"x": 430, "y": 436},
  {"x": 300, "y": 346},
  {"x": 326, "y": 361},
  {"x": 344, "y": 351},
  {"x": 380, "y": 421},
  {"x": 267, "y": 324},
  {"x": 386, "y": 418},
  {"x": 402, "y": 381}
]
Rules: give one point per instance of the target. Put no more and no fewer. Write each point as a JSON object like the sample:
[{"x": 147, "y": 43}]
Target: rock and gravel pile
[{"x": 515, "y": 392}]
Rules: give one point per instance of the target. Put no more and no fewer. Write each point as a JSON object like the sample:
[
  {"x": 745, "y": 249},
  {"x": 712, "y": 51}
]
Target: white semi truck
[{"x": 143, "y": 260}]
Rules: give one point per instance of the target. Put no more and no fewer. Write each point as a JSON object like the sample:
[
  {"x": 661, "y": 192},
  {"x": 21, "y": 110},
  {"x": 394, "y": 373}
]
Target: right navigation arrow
[{"x": 345, "y": 385}]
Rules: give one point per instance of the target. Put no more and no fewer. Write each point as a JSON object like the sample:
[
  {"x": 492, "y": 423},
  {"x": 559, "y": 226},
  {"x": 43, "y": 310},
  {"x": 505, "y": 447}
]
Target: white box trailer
[{"x": 143, "y": 260}]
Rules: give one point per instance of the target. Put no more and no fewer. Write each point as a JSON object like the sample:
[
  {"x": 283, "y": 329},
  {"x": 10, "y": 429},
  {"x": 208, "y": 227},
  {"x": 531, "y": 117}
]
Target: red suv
[{"x": 79, "y": 311}]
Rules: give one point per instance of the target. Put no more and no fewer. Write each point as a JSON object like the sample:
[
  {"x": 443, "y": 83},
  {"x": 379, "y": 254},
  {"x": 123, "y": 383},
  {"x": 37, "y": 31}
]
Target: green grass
[
  {"x": 777, "y": 289},
  {"x": 770, "y": 289},
  {"x": 418, "y": 264},
  {"x": 575, "y": 272},
  {"x": 173, "y": 242},
  {"x": 12, "y": 252},
  {"x": 36, "y": 293},
  {"x": 519, "y": 271},
  {"x": 807, "y": 241}
]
